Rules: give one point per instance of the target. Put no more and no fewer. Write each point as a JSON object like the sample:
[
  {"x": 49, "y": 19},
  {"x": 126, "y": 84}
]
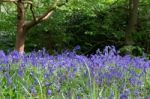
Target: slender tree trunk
[
  {"x": 132, "y": 22},
  {"x": 22, "y": 26},
  {"x": 20, "y": 36}
]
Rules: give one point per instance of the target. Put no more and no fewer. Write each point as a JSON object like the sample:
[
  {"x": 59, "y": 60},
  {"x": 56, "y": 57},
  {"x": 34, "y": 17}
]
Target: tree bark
[
  {"x": 132, "y": 21},
  {"x": 23, "y": 26},
  {"x": 20, "y": 35}
]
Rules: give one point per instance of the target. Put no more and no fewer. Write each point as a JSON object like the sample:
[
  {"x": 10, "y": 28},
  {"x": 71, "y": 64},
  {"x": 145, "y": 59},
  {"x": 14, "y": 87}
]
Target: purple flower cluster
[{"x": 104, "y": 68}]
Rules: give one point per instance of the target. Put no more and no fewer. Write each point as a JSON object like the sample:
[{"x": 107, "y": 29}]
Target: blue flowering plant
[{"x": 104, "y": 75}]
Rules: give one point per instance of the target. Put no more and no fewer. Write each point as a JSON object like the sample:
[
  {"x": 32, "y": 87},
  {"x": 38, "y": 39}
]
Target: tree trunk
[
  {"x": 20, "y": 36},
  {"x": 132, "y": 22},
  {"x": 23, "y": 27}
]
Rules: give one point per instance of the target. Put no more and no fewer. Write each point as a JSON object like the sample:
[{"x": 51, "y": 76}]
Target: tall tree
[
  {"x": 132, "y": 21},
  {"x": 24, "y": 25}
]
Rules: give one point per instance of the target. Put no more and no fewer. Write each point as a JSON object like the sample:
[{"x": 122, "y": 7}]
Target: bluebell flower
[
  {"x": 105, "y": 68},
  {"x": 46, "y": 75},
  {"x": 127, "y": 91},
  {"x": 98, "y": 52},
  {"x": 48, "y": 84},
  {"x": 111, "y": 95},
  {"x": 78, "y": 97},
  {"x": 49, "y": 92},
  {"x": 141, "y": 97},
  {"x": 33, "y": 91},
  {"x": 2, "y": 54},
  {"x": 7, "y": 76},
  {"x": 123, "y": 96},
  {"x": 20, "y": 73},
  {"x": 136, "y": 92},
  {"x": 148, "y": 97},
  {"x": 100, "y": 97}
]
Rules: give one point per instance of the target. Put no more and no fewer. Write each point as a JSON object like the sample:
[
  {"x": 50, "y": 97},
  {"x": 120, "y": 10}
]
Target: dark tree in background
[{"x": 132, "y": 21}]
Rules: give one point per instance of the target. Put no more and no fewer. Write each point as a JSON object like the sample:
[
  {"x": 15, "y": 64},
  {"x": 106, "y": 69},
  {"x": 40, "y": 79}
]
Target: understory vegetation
[
  {"x": 106, "y": 74},
  {"x": 111, "y": 59}
]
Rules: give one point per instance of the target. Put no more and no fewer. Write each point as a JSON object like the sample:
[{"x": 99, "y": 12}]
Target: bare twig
[{"x": 31, "y": 9}]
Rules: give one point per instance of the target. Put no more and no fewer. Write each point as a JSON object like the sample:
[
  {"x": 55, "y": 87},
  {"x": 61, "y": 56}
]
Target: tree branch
[
  {"x": 28, "y": 2},
  {"x": 45, "y": 15},
  {"x": 9, "y": 1},
  {"x": 49, "y": 12},
  {"x": 33, "y": 15}
]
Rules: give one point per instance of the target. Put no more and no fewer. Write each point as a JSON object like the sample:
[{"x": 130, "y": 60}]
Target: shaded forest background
[{"x": 92, "y": 24}]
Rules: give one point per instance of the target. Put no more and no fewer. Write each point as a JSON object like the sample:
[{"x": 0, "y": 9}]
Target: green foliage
[
  {"x": 7, "y": 26},
  {"x": 6, "y": 41},
  {"x": 133, "y": 50},
  {"x": 90, "y": 24}
]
